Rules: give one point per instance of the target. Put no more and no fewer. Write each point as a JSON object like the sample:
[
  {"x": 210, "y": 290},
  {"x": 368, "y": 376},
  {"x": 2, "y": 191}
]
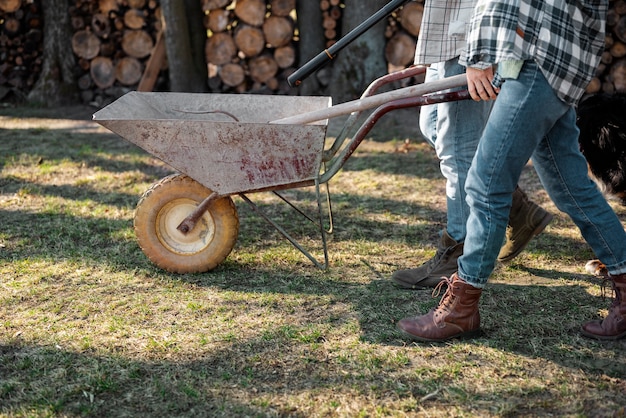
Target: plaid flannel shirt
[
  {"x": 564, "y": 37},
  {"x": 443, "y": 30}
]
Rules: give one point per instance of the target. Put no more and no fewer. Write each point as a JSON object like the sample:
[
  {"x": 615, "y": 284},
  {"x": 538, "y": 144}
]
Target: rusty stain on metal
[{"x": 185, "y": 131}]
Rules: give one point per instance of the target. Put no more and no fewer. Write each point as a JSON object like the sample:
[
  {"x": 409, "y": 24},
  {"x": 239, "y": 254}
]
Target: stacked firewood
[
  {"x": 113, "y": 41},
  {"x": 21, "y": 47},
  {"x": 403, "y": 27},
  {"x": 332, "y": 11},
  {"x": 250, "y": 44},
  {"x": 611, "y": 74}
]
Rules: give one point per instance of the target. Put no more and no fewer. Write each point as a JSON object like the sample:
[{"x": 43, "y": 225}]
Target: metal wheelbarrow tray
[{"x": 233, "y": 144}]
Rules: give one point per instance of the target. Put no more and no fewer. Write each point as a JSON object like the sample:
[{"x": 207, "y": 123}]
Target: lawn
[{"x": 90, "y": 327}]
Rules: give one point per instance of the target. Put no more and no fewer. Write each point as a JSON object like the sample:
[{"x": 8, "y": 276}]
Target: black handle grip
[{"x": 328, "y": 54}]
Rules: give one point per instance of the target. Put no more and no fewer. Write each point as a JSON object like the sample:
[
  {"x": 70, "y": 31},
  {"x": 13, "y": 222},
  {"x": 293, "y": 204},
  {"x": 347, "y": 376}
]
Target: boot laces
[{"x": 447, "y": 297}]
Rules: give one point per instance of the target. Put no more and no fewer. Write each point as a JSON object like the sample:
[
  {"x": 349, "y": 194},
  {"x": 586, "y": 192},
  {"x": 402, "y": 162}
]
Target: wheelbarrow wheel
[{"x": 164, "y": 206}]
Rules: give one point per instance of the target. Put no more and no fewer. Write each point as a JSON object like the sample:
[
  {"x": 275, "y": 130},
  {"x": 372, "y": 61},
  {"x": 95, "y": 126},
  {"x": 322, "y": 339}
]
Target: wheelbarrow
[{"x": 224, "y": 145}]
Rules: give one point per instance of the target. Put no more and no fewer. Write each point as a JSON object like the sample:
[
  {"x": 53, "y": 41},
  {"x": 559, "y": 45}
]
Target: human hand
[{"x": 479, "y": 84}]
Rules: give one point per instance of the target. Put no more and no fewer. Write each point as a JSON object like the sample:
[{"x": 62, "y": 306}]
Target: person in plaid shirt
[
  {"x": 453, "y": 129},
  {"x": 545, "y": 52}
]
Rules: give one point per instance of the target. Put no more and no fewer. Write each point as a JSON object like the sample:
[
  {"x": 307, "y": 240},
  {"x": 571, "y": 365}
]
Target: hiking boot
[
  {"x": 456, "y": 316},
  {"x": 613, "y": 327},
  {"x": 429, "y": 274},
  {"x": 526, "y": 220}
]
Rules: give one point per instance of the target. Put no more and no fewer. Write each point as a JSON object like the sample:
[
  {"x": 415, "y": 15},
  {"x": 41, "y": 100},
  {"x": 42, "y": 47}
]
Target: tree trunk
[
  {"x": 311, "y": 43},
  {"x": 363, "y": 60},
  {"x": 185, "y": 50},
  {"x": 57, "y": 84}
]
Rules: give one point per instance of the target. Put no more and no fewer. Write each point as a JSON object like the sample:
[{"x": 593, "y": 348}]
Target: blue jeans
[
  {"x": 529, "y": 120},
  {"x": 454, "y": 130}
]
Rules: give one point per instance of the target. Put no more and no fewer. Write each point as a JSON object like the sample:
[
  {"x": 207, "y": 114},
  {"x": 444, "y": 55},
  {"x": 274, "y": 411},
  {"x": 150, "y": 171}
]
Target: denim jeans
[
  {"x": 454, "y": 129},
  {"x": 528, "y": 121}
]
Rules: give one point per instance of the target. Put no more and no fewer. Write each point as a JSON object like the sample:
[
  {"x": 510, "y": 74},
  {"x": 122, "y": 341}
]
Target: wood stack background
[
  {"x": 113, "y": 41},
  {"x": 251, "y": 45},
  {"x": 21, "y": 47},
  {"x": 611, "y": 73}
]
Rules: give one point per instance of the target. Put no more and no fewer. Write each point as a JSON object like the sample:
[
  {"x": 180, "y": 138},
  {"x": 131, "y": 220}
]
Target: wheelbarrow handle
[
  {"x": 329, "y": 54},
  {"x": 370, "y": 102}
]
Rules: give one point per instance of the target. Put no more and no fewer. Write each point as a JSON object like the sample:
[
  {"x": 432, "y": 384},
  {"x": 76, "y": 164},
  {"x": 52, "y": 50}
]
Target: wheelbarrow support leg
[{"x": 294, "y": 242}]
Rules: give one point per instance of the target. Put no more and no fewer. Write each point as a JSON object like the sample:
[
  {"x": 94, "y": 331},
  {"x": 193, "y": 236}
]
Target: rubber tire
[{"x": 161, "y": 209}]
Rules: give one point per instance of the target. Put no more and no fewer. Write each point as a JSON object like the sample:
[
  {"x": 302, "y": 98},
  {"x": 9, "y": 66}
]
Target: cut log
[
  {"x": 285, "y": 56},
  {"x": 282, "y": 7},
  {"x": 134, "y": 19},
  {"x": 137, "y": 43},
  {"x": 278, "y": 31},
  {"x": 101, "y": 25},
  {"x": 128, "y": 71},
  {"x": 220, "y": 49},
  {"x": 608, "y": 87},
  {"x": 208, "y": 5},
  {"x": 619, "y": 30},
  {"x": 77, "y": 22},
  {"x": 263, "y": 68},
  {"x": 249, "y": 40},
  {"x": 328, "y": 22},
  {"x": 12, "y": 26},
  {"x": 619, "y": 6},
  {"x": 594, "y": 86},
  {"x": 400, "y": 49},
  {"x": 136, "y": 4},
  {"x": 218, "y": 20},
  {"x": 618, "y": 75},
  {"x": 85, "y": 44},
  {"x": 272, "y": 83},
  {"x": 10, "y": 6},
  {"x": 232, "y": 74},
  {"x": 106, "y": 6},
  {"x": 154, "y": 65},
  {"x": 84, "y": 82},
  {"x": 102, "y": 72},
  {"x": 411, "y": 17},
  {"x": 618, "y": 50},
  {"x": 611, "y": 18},
  {"x": 251, "y": 12}
]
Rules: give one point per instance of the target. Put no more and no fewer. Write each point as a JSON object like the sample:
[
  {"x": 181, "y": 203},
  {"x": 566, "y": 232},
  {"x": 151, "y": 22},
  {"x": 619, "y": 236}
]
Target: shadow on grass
[
  {"x": 270, "y": 368},
  {"x": 533, "y": 321},
  {"x": 107, "y": 152}
]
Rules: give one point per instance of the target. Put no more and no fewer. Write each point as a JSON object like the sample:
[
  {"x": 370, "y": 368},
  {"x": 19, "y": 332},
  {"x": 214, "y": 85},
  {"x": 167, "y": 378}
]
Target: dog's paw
[{"x": 597, "y": 268}]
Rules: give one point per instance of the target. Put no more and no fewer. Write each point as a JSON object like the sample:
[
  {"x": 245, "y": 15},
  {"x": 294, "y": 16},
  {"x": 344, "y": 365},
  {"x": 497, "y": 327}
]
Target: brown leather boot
[
  {"x": 456, "y": 316},
  {"x": 526, "y": 220},
  {"x": 613, "y": 327},
  {"x": 429, "y": 274}
]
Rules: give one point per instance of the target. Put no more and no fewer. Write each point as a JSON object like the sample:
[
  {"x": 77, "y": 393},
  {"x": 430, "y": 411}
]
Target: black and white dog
[{"x": 602, "y": 124}]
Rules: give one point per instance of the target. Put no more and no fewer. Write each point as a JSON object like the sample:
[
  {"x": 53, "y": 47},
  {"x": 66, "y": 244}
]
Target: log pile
[
  {"x": 403, "y": 28},
  {"x": 21, "y": 46},
  {"x": 611, "y": 73},
  {"x": 113, "y": 41},
  {"x": 332, "y": 10},
  {"x": 250, "y": 45}
]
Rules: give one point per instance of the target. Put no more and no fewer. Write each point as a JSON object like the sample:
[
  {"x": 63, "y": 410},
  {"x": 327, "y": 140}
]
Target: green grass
[{"x": 89, "y": 327}]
